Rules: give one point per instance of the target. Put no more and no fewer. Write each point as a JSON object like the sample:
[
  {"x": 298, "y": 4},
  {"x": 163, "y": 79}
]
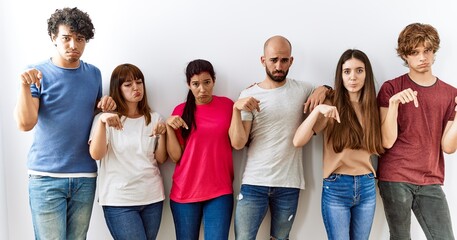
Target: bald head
[
  {"x": 277, "y": 58},
  {"x": 277, "y": 42}
]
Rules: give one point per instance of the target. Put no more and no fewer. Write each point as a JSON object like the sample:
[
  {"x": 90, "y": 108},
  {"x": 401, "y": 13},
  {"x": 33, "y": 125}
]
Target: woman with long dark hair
[
  {"x": 350, "y": 123},
  {"x": 198, "y": 142}
]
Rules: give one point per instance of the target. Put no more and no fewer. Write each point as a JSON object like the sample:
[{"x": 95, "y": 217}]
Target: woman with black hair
[{"x": 198, "y": 142}]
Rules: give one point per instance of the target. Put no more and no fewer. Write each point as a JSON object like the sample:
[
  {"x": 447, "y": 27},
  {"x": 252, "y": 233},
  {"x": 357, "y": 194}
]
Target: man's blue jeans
[
  {"x": 216, "y": 214},
  {"x": 134, "y": 222},
  {"x": 252, "y": 206},
  {"x": 428, "y": 203},
  {"x": 61, "y": 207},
  {"x": 348, "y": 206}
]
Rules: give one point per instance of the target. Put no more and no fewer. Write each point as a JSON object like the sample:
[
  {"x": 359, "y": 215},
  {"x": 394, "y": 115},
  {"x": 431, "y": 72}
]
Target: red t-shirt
[
  {"x": 205, "y": 170},
  {"x": 416, "y": 156}
]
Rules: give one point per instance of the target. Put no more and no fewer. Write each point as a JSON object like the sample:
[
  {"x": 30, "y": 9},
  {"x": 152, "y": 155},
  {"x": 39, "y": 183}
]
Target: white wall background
[
  {"x": 3, "y": 60},
  {"x": 161, "y": 37}
]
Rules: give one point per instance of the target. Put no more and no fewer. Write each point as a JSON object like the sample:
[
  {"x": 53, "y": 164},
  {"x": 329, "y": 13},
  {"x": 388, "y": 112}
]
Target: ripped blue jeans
[{"x": 252, "y": 205}]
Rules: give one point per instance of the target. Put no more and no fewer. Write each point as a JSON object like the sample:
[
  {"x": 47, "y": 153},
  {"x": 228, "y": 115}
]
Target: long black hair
[{"x": 194, "y": 67}]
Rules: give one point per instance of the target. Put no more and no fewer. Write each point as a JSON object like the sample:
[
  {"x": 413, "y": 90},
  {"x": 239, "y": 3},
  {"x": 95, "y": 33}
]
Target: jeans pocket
[
  {"x": 370, "y": 175},
  {"x": 332, "y": 178}
]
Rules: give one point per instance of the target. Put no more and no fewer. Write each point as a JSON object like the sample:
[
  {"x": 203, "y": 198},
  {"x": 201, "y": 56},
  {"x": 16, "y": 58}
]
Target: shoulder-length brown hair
[
  {"x": 351, "y": 133},
  {"x": 122, "y": 73}
]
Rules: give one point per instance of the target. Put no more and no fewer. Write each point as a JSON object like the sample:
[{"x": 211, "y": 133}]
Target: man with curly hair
[
  {"x": 58, "y": 98},
  {"x": 417, "y": 123}
]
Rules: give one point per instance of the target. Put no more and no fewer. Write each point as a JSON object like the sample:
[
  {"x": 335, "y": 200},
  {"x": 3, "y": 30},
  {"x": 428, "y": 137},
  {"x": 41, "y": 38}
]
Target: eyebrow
[
  {"x": 355, "y": 68},
  {"x": 70, "y": 35},
  {"x": 206, "y": 79},
  {"x": 276, "y": 58}
]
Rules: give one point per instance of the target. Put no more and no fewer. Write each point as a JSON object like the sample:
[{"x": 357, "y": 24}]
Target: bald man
[{"x": 267, "y": 114}]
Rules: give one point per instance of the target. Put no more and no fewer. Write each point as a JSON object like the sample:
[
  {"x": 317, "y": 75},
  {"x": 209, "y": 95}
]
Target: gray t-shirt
[{"x": 272, "y": 160}]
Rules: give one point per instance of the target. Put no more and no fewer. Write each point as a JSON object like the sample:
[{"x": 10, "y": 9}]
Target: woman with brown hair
[
  {"x": 129, "y": 145},
  {"x": 350, "y": 123}
]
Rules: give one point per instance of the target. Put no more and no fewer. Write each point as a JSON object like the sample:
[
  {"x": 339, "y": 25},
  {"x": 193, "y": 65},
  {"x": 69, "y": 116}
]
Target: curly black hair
[{"x": 78, "y": 21}]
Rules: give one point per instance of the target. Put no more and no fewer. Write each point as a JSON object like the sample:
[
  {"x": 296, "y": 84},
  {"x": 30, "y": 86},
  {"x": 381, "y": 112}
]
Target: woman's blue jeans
[
  {"x": 428, "y": 203},
  {"x": 216, "y": 214},
  {"x": 252, "y": 206},
  {"x": 348, "y": 206},
  {"x": 134, "y": 222},
  {"x": 61, "y": 207}
]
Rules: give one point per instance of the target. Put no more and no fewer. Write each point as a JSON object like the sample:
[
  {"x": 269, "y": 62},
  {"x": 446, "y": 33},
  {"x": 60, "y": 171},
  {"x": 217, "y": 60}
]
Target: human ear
[
  {"x": 262, "y": 60},
  {"x": 53, "y": 39}
]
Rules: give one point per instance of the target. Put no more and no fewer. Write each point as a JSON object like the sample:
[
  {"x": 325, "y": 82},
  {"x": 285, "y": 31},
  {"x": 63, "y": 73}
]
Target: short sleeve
[
  {"x": 94, "y": 125},
  {"x": 385, "y": 93}
]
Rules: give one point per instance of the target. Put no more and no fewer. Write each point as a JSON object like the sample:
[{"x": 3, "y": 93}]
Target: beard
[{"x": 277, "y": 78}]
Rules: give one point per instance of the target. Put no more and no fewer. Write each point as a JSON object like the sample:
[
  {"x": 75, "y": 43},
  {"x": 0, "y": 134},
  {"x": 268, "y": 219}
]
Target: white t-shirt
[
  {"x": 272, "y": 159},
  {"x": 129, "y": 175}
]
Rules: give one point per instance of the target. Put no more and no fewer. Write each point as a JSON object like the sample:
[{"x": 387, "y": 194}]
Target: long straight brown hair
[
  {"x": 351, "y": 133},
  {"x": 122, "y": 73}
]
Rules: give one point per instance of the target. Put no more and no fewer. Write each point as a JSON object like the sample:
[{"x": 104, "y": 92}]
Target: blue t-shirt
[{"x": 68, "y": 98}]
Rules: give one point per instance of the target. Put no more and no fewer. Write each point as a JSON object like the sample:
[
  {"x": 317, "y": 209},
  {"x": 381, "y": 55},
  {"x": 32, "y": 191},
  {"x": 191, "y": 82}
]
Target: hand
[
  {"x": 247, "y": 104},
  {"x": 317, "y": 97},
  {"x": 329, "y": 111},
  {"x": 32, "y": 76},
  {"x": 159, "y": 129},
  {"x": 405, "y": 96},
  {"x": 176, "y": 122},
  {"x": 112, "y": 120},
  {"x": 107, "y": 103}
]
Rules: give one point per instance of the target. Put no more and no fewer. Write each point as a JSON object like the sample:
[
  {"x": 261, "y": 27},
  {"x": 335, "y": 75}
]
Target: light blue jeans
[
  {"x": 252, "y": 206},
  {"x": 348, "y": 206},
  {"x": 61, "y": 207},
  {"x": 216, "y": 214},
  {"x": 428, "y": 203},
  {"x": 134, "y": 222}
]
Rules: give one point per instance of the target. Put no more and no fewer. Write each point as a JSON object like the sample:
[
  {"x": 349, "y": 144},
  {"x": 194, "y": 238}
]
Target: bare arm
[
  {"x": 239, "y": 130},
  {"x": 159, "y": 131},
  {"x": 174, "y": 148},
  {"x": 26, "y": 111},
  {"x": 98, "y": 145},
  {"x": 317, "y": 97},
  {"x": 311, "y": 124},
  {"x": 449, "y": 139},
  {"x": 389, "y": 127}
]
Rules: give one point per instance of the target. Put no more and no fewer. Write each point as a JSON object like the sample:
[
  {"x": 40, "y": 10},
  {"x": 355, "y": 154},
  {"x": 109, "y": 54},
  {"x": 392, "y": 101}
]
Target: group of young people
[{"x": 408, "y": 126}]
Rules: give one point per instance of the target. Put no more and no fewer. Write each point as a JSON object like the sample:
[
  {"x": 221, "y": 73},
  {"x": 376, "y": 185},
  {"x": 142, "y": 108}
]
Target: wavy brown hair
[
  {"x": 350, "y": 133},
  {"x": 414, "y": 35},
  {"x": 122, "y": 73}
]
